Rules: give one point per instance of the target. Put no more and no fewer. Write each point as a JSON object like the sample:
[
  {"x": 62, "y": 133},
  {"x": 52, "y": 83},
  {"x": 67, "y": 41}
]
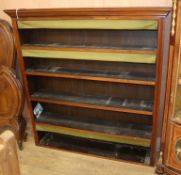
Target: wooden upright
[{"x": 172, "y": 122}]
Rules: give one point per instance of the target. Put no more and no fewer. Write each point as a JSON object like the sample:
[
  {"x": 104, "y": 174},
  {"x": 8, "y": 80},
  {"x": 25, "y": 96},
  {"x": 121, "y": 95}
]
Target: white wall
[{"x": 15, "y": 4}]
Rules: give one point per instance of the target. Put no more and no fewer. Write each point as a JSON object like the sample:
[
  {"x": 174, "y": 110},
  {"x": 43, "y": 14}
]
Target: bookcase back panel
[
  {"x": 94, "y": 115},
  {"x": 92, "y": 68},
  {"x": 87, "y": 38},
  {"x": 92, "y": 88}
]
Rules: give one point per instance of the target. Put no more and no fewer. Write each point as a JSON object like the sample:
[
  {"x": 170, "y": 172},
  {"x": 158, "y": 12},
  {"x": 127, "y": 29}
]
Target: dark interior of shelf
[
  {"x": 91, "y": 72},
  {"x": 144, "y": 105},
  {"x": 94, "y": 91},
  {"x": 127, "y": 129},
  {"x": 95, "y": 115},
  {"x": 92, "y": 38},
  {"x": 98, "y": 148},
  {"x": 135, "y": 71}
]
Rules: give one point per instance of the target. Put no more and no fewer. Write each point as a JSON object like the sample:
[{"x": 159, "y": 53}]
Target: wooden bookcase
[{"x": 100, "y": 76}]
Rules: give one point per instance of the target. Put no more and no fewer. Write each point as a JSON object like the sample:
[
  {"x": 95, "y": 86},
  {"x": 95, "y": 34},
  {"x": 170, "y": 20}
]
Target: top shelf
[{"x": 133, "y": 13}]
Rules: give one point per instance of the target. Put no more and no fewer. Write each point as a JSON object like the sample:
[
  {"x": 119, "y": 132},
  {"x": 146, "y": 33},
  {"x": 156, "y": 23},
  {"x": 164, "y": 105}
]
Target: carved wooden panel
[
  {"x": 10, "y": 98},
  {"x": 7, "y": 49}
]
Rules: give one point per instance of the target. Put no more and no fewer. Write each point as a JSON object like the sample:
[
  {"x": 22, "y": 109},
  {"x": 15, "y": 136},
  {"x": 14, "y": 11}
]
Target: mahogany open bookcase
[{"x": 99, "y": 75}]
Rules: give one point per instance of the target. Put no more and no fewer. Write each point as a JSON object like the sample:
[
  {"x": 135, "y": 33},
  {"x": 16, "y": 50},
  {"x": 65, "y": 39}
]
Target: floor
[{"x": 36, "y": 160}]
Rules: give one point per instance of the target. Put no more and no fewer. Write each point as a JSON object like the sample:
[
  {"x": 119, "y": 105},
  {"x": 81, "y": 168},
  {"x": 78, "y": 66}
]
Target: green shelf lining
[
  {"x": 98, "y": 56},
  {"x": 90, "y": 24},
  {"x": 93, "y": 135}
]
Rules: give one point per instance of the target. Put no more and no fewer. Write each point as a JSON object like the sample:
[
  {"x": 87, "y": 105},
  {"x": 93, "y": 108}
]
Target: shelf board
[
  {"x": 123, "y": 133},
  {"x": 91, "y": 48},
  {"x": 128, "y": 129},
  {"x": 90, "y": 74},
  {"x": 89, "y": 54},
  {"x": 103, "y": 103}
]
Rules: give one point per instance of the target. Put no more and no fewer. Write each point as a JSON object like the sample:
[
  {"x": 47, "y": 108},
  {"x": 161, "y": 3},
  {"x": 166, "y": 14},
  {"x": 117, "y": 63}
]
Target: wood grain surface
[
  {"x": 7, "y": 49},
  {"x": 10, "y": 99}
]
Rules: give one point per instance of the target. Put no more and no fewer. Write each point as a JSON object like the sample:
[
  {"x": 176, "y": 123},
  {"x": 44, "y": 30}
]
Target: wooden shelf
[
  {"x": 93, "y": 48},
  {"x": 90, "y": 74},
  {"x": 103, "y": 103},
  {"x": 47, "y": 51},
  {"x": 126, "y": 133}
]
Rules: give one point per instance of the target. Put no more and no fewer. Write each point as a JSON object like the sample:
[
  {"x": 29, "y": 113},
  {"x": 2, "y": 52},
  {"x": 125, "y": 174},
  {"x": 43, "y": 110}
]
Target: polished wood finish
[
  {"x": 172, "y": 124},
  {"x": 8, "y": 59},
  {"x": 150, "y": 88},
  {"x": 82, "y": 77},
  {"x": 11, "y": 99},
  {"x": 7, "y": 48},
  {"x": 130, "y": 12}
]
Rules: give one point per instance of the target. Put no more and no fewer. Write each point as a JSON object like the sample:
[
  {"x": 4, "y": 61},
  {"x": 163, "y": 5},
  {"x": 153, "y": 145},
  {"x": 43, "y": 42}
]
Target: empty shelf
[
  {"x": 104, "y": 103},
  {"x": 130, "y": 129},
  {"x": 90, "y": 74},
  {"x": 128, "y": 133},
  {"x": 96, "y": 147}
]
